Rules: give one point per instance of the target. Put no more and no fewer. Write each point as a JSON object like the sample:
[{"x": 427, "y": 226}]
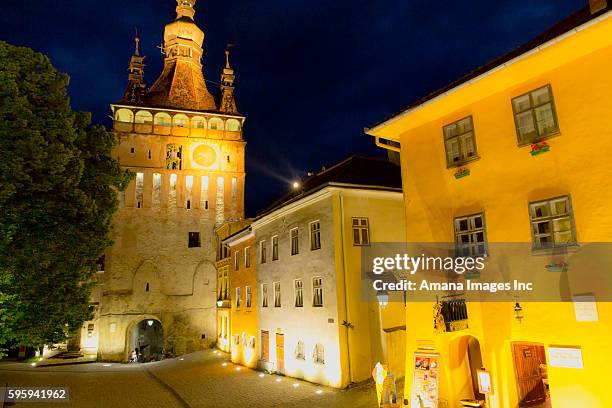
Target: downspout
[{"x": 346, "y": 322}]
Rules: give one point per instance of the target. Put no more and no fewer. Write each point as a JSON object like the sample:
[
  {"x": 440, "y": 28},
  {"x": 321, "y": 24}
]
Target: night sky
[{"x": 311, "y": 74}]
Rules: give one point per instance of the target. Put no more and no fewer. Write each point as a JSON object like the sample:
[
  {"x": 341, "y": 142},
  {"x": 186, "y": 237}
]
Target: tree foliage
[{"x": 58, "y": 192}]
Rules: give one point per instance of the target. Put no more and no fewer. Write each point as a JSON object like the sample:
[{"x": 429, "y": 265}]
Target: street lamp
[
  {"x": 219, "y": 303},
  {"x": 383, "y": 298},
  {"x": 150, "y": 323}
]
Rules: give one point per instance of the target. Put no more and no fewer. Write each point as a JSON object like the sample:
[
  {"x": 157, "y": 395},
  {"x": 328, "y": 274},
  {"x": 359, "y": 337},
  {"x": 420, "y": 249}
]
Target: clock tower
[{"x": 187, "y": 153}]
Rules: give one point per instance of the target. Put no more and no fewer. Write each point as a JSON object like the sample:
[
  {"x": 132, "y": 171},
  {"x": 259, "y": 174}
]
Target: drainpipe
[{"x": 347, "y": 322}]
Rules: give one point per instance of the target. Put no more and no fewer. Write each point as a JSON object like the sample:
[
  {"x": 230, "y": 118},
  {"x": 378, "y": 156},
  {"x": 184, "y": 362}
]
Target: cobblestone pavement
[{"x": 200, "y": 380}]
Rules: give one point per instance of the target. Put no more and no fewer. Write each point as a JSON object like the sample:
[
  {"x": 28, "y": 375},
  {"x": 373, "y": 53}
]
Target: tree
[{"x": 58, "y": 192}]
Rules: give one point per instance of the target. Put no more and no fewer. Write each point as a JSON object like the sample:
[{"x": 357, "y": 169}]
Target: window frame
[
  {"x": 236, "y": 260},
  {"x": 297, "y": 241},
  {"x": 318, "y": 351},
  {"x": 247, "y": 256},
  {"x": 274, "y": 240},
  {"x": 551, "y": 218},
  {"x": 297, "y": 289},
  {"x": 470, "y": 231},
  {"x": 532, "y": 108},
  {"x": 237, "y": 300},
  {"x": 314, "y": 291},
  {"x": 280, "y": 303},
  {"x": 314, "y": 233},
  {"x": 460, "y": 163},
  {"x": 263, "y": 252},
  {"x": 248, "y": 293},
  {"x": 264, "y": 295},
  {"x": 196, "y": 237},
  {"x": 360, "y": 228}
]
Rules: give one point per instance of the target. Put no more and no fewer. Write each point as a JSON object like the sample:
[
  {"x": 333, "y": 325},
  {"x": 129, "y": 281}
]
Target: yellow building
[
  {"x": 516, "y": 152},
  {"x": 243, "y": 289},
  {"x": 187, "y": 153}
]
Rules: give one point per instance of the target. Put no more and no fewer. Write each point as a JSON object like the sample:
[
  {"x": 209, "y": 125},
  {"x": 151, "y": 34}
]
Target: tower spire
[
  {"x": 228, "y": 103},
  {"x": 185, "y": 8},
  {"x": 136, "y": 85}
]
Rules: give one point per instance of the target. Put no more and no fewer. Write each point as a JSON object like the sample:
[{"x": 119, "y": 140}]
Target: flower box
[
  {"x": 539, "y": 148},
  {"x": 463, "y": 172}
]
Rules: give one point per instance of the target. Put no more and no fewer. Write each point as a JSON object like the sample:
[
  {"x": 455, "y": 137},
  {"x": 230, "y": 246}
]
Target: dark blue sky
[{"x": 311, "y": 74}]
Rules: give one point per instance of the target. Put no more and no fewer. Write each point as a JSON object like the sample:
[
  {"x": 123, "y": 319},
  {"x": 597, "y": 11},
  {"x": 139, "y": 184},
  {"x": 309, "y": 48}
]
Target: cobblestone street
[{"x": 197, "y": 380}]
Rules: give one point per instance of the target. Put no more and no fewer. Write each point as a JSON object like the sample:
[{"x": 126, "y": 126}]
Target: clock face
[{"x": 204, "y": 155}]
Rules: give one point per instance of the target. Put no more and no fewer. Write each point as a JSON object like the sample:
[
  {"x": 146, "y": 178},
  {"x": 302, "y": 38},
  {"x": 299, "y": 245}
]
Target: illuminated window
[
  {"x": 295, "y": 244},
  {"x": 264, "y": 295},
  {"x": 194, "y": 240},
  {"x": 361, "y": 231},
  {"x": 459, "y": 142},
  {"x": 299, "y": 351},
  {"x": 298, "y": 293},
  {"x": 248, "y": 296},
  {"x": 534, "y": 115},
  {"x": 237, "y": 297},
  {"x": 275, "y": 248},
  {"x": 234, "y": 187},
  {"x": 470, "y": 235},
  {"x": 232, "y": 125},
  {"x": 277, "y": 294},
  {"x": 139, "y": 189},
  {"x": 317, "y": 291},
  {"x": 318, "y": 354},
  {"x": 262, "y": 252},
  {"x": 215, "y": 124},
  {"x": 315, "y": 235},
  {"x": 244, "y": 339},
  {"x": 144, "y": 117},
  {"x": 552, "y": 223},
  {"x": 198, "y": 122},
  {"x": 124, "y": 115},
  {"x": 236, "y": 260},
  {"x": 162, "y": 119},
  {"x": 180, "y": 120},
  {"x": 252, "y": 342},
  {"x": 247, "y": 257},
  {"x": 156, "y": 189}
]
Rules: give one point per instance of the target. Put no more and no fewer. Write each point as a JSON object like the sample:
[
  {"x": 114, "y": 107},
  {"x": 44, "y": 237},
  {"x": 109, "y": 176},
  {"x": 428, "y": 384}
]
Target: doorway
[
  {"x": 147, "y": 341},
  {"x": 531, "y": 375},
  {"x": 280, "y": 353}
]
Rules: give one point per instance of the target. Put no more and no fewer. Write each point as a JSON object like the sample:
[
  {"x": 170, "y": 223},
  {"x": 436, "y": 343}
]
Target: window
[
  {"x": 317, "y": 291},
  {"x": 470, "y": 235},
  {"x": 194, "y": 240},
  {"x": 315, "y": 235},
  {"x": 236, "y": 339},
  {"x": 216, "y": 124},
  {"x": 295, "y": 244},
  {"x": 262, "y": 252},
  {"x": 252, "y": 342},
  {"x": 361, "y": 231},
  {"x": 459, "y": 142},
  {"x": 265, "y": 345},
  {"x": 234, "y": 186},
  {"x": 552, "y": 223},
  {"x": 534, "y": 115},
  {"x": 277, "y": 294},
  {"x": 299, "y": 351},
  {"x": 248, "y": 296},
  {"x": 147, "y": 287},
  {"x": 275, "y": 248},
  {"x": 236, "y": 260},
  {"x": 298, "y": 293},
  {"x": 139, "y": 189},
  {"x": 247, "y": 257},
  {"x": 264, "y": 295},
  {"x": 244, "y": 339},
  {"x": 318, "y": 354},
  {"x": 237, "y": 297}
]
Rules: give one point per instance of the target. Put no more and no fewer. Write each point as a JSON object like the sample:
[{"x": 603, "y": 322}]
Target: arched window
[
  {"x": 144, "y": 117},
  {"x": 318, "y": 354},
  {"x": 124, "y": 115},
  {"x": 163, "y": 119},
  {"x": 198, "y": 122},
  {"x": 180, "y": 120},
  {"x": 215, "y": 123},
  {"x": 232, "y": 125}
]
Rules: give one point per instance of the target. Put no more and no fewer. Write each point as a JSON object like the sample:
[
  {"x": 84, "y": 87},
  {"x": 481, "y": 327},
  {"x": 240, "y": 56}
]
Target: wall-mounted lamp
[
  {"x": 383, "y": 298},
  {"x": 150, "y": 323},
  {"x": 219, "y": 303},
  {"x": 518, "y": 312}
]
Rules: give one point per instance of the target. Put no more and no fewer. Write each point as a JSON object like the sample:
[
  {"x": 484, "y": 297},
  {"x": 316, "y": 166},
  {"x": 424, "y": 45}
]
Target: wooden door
[
  {"x": 280, "y": 353},
  {"x": 265, "y": 345},
  {"x": 527, "y": 368}
]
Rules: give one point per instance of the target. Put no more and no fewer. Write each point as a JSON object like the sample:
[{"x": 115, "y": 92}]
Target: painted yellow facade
[
  {"x": 501, "y": 184},
  {"x": 243, "y": 289}
]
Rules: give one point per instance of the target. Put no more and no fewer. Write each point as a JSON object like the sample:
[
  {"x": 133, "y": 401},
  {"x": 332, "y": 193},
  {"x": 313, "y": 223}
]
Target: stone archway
[{"x": 145, "y": 334}]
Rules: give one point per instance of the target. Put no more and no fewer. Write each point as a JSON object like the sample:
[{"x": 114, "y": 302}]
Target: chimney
[{"x": 597, "y": 5}]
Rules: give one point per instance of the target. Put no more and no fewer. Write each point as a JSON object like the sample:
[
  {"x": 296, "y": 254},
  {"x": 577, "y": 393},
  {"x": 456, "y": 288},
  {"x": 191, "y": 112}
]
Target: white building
[{"x": 313, "y": 323}]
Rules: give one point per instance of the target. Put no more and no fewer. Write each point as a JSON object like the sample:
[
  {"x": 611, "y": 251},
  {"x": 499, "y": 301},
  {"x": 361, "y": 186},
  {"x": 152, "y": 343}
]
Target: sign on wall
[
  {"x": 425, "y": 379},
  {"x": 585, "y": 308},
  {"x": 565, "y": 356}
]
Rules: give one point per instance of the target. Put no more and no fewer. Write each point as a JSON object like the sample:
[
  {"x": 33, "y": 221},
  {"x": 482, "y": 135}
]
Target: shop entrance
[
  {"x": 146, "y": 341},
  {"x": 531, "y": 375}
]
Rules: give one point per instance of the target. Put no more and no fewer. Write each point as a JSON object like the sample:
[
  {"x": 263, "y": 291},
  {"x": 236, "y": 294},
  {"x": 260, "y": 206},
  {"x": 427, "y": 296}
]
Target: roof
[
  {"x": 356, "y": 171},
  {"x": 576, "y": 19}
]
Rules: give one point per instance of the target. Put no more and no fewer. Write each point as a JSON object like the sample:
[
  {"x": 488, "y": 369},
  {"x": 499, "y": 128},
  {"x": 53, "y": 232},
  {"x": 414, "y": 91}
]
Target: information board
[{"x": 425, "y": 380}]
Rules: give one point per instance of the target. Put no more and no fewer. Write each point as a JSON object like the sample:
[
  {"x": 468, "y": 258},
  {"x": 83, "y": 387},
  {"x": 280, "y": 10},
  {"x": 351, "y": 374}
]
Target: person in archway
[{"x": 133, "y": 356}]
